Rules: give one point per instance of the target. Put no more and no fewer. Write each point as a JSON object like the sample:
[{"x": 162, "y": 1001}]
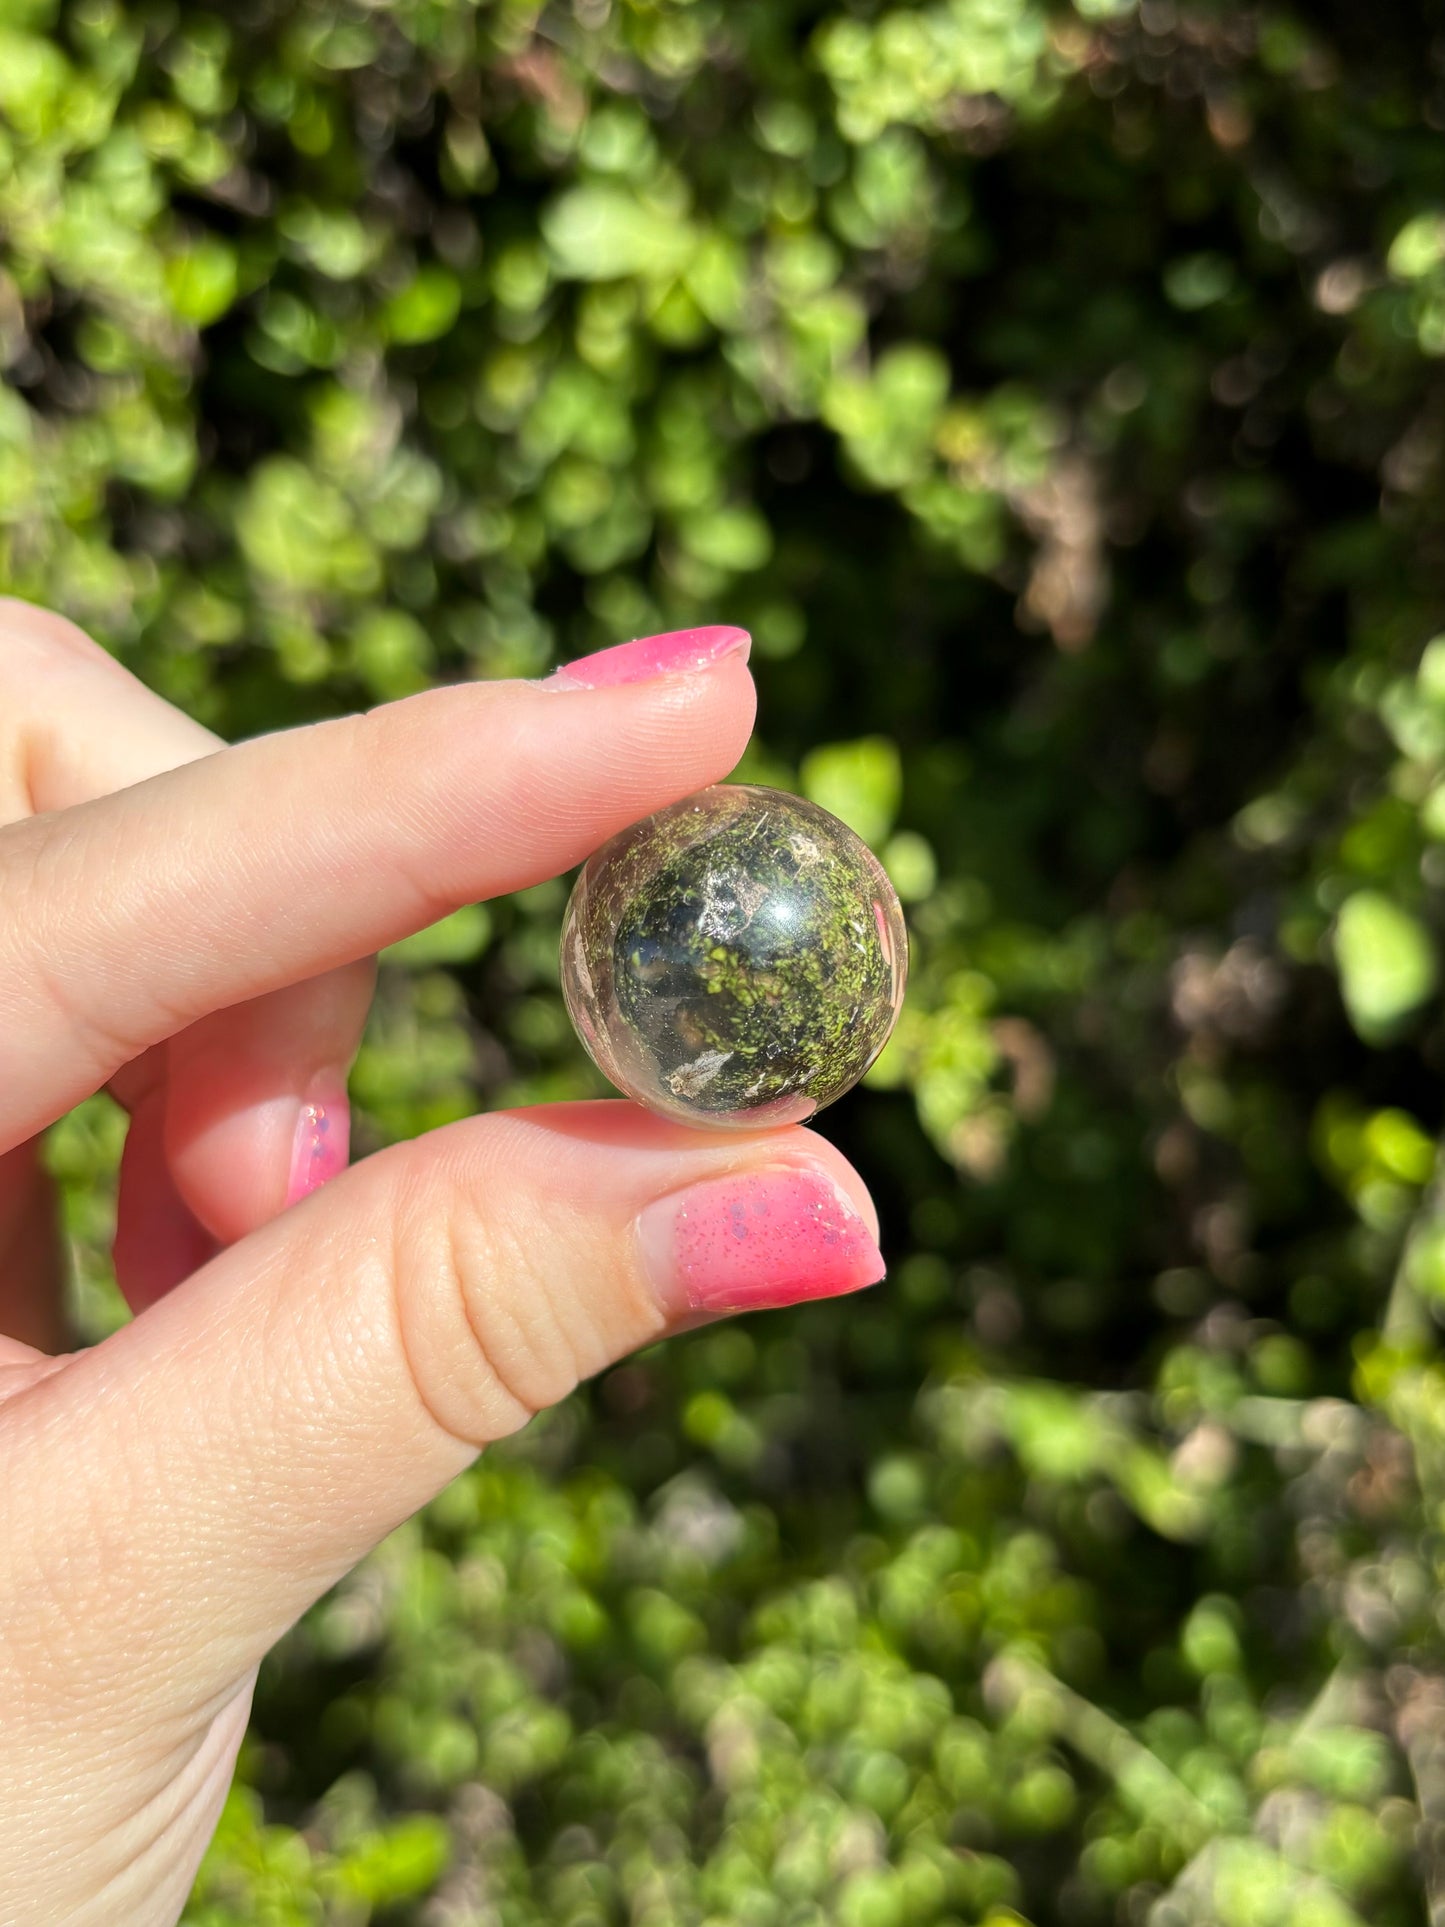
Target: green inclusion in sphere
[{"x": 737, "y": 959}]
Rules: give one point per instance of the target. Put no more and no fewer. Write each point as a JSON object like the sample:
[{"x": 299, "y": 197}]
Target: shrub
[{"x": 1056, "y": 393}]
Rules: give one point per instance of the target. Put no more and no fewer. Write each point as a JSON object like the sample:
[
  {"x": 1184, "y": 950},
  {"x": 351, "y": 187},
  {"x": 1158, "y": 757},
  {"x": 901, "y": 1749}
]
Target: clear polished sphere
[{"x": 738, "y": 959}]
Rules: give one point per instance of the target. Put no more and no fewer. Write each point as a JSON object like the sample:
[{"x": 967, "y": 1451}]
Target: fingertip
[
  {"x": 159, "y": 1241},
  {"x": 845, "y": 1176},
  {"x": 770, "y": 1235},
  {"x": 648, "y": 1156},
  {"x": 321, "y": 1138},
  {"x": 679, "y": 652},
  {"x": 701, "y": 718},
  {"x": 257, "y": 1114}
]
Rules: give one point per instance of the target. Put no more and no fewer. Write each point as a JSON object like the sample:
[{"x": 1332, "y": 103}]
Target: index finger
[{"x": 127, "y": 918}]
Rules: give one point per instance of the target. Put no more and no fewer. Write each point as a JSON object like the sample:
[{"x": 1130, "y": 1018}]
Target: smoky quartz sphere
[{"x": 738, "y": 959}]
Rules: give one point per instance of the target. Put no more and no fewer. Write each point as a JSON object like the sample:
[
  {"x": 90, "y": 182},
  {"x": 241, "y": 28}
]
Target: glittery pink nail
[
  {"x": 322, "y": 1141},
  {"x": 756, "y": 1240},
  {"x": 676, "y": 654}
]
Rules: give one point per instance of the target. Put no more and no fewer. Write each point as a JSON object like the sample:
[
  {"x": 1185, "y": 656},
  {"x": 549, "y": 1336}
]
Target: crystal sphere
[{"x": 738, "y": 959}]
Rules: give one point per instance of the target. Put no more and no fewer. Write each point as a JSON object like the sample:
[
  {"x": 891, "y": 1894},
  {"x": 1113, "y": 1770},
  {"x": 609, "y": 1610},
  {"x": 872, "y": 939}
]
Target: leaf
[
  {"x": 401, "y": 1863},
  {"x": 201, "y": 282},
  {"x": 1386, "y": 962},
  {"x": 1198, "y": 281},
  {"x": 425, "y": 309},
  {"x": 600, "y": 233},
  {"x": 735, "y": 540},
  {"x": 862, "y": 782},
  {"x": 33, "y": 78},
  {"x": 455, "y": 939},
  {"x": 301, "y": 533},
  {"x": 1419, "y": 248}
]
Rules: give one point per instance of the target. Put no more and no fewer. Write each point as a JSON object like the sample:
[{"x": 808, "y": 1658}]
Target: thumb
[{"x": 178, "y": 1495}]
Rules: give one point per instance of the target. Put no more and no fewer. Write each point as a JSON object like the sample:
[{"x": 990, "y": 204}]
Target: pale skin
[{"x": 190, "y": 927}]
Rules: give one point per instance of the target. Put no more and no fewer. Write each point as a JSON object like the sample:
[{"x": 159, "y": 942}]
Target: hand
[{"x": 186, "y": 925}]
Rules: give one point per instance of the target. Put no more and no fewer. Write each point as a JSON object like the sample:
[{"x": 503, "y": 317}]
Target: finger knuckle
[
  {"x": 48, "y": 872},
  {"x": 483, "y": 1317}
]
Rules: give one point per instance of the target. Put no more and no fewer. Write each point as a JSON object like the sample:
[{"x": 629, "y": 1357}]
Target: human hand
[{"x": 187, "y": 925}]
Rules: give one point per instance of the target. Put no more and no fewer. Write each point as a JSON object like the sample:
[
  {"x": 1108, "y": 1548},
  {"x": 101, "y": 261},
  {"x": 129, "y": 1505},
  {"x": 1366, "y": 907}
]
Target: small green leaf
[
  {"x": 1419, "y": 248},
  {"x": 735, "y": 540},
  {"x": 34, "y": 76},
  {"x": 456, "y": 939},
  {"x": 403, "y": 1863},
  {"x": 1386, "y": 961},
  {"x": 1426, "y": 1262},
  {"x": 862, "y": 782},
  {"x": 1198, "y": 281},
  {"x": 1430, "y": 676},
  {"x": 910, "y": 862},
  {"x": 604, "y": 234},
  {"x": 425, "y": 309},
  {"x": 201, "y": 282},
  {"x": 392, "y": 652},
  {"x": 1210, "y": 1640}
]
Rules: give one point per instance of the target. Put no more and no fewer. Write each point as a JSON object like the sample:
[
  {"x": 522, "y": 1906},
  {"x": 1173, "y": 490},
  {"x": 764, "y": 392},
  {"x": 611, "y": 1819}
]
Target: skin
[
  {"x": 737, "y": 954},
  {"x": 188, "y": 926}
]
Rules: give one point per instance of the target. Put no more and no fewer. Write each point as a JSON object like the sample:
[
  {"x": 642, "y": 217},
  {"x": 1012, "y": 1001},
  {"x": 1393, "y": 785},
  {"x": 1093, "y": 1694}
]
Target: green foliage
[
  {"x": 1386, "y": 962},
  {"x": 1055, "y": 391}
]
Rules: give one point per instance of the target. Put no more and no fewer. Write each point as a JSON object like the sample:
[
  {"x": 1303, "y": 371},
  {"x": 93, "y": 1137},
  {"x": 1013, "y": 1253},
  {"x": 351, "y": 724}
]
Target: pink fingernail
[
  {"x": 677, "y": 654},
  {"x": 322, "y": 1142},
  {"x": 754, "y": 1241}
]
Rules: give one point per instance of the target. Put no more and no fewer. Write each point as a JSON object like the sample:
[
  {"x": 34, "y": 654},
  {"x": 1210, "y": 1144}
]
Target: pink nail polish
[
  {"x": 677, "y": 654},
  {"x": 322, "y": 1142},
  {"x": 754, "y": 1241}
]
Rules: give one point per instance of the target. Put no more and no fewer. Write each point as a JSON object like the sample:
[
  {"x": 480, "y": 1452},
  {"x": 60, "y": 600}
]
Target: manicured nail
[
  {"x": 678, "y": 654},
  {"x": 754, "y": 1241},
  {"x": 322, "y": 1141}
]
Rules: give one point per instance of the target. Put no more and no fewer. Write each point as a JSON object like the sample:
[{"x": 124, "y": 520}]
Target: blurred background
[{"x": 1058, "y": 393}]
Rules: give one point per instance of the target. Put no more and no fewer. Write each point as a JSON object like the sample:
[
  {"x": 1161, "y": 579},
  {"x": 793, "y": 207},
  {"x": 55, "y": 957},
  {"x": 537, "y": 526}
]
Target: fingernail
[
  {"x": 756, "y": 1240},
  {"x": 323, "y": 1139},
  {"x": 680, "y": 653}
]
